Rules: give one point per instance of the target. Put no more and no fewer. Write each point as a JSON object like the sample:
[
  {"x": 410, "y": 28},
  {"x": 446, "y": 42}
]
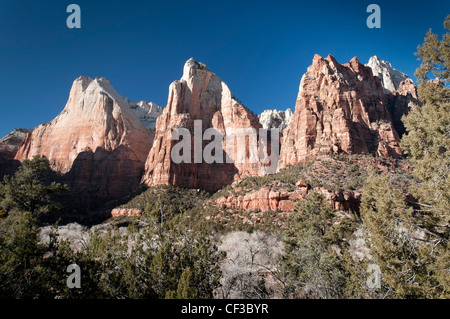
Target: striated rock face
[
  {"x": 116, "y": 212},
  {"x": 339, "y": 108},
  {"x": 97, "y": 144},
  {"x": 200, "y": 95},
  {"x": 275, "y": 119},
  {"x": 401, "y": 90},
  {"x": 266, "y": 199},
  {"x": 8, "y": 149},
  {"x": 11, "y": 142},
  {"x": 390, "y": 77}
]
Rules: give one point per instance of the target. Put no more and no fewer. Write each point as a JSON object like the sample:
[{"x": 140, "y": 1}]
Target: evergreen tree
[
  {"x": 428, "y": 140},
  {"x": 31, "y": 189},
  {"x": 184, "y": 290},
  {"x": 314, "y": 267},
  {"x": 392, "y": 242},
  {"x": 410, "y": 240},
  {"x": 21, "y": 271}
]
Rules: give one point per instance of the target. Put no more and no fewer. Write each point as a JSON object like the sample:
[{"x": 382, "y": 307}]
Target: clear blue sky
[{"x": 259, "y": 48}]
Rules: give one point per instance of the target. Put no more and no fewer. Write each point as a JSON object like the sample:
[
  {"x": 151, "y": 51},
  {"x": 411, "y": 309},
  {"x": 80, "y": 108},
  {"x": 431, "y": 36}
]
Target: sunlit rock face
[
  {"x": 98, "y": 143},
  {"x": 200, "y": 95},
  {"x": 339, "y": 108},
  {"x": 276, "y": 119},
  {"x": 390, "y": 77}
]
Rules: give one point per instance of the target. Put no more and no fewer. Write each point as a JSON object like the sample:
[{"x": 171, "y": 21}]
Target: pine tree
[{"x": 387, "y": 218}]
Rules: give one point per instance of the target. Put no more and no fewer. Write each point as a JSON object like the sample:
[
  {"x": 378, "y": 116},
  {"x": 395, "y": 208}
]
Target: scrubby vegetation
[
  {"x": 337, "y": 173},
  {"x": 171, "y": 200}
]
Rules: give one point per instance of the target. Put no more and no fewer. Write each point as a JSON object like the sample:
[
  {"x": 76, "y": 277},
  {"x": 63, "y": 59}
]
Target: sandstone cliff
[
  {"x": 8, "y": 149},
  {"x": 401, "y": 101},
  {"x": 97, "y": 144},
  {"x": 11, "y": 142},
  {"x": 401, "y": 90},
  {"x": 339, "y": 108},
  {"x": 200, "y": 95}
]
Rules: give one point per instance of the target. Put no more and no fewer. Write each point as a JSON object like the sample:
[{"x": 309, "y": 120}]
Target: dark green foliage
[
  {"x": 30, "y": 189},
  {"x": 138, "y": 262},
  {"x": 148, "y": 263},
  {"x": 21, "y": 273},
  {"x": 172, "y": 200},
  {"x": 312, "y": 257},
  {"x": 410, "y": 239}
]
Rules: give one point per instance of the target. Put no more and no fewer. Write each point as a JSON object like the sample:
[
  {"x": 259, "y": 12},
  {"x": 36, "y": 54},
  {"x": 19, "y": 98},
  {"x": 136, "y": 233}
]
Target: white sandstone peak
[
  {"x": 147, "y": 113},
  {"x": 390, "y": 77},
  {"x": 86, "y": 91},
  {"x": 275, "y": 119},
  {"x": 191, "y": 65}
]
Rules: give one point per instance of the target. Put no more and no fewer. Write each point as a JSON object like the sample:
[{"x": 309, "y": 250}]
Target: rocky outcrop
[
  {"x": 266, "y": 199},
  {"x": 97, "y": 144},
  {"x": 339, "y": 109},
  {"x": 400, "y": 89},
  {"x": 390, "y": 77},
  {"x": 8, "y": 149},
  {"x": 11, "y": 142},
  {"x": 116, "y": 212},
  {"x": 275, "y": 119},
  {"x": 201, "y": 97}
]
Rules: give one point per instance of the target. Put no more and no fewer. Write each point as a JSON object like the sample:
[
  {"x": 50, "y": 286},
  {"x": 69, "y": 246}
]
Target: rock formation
[
  {"x": 266, "y": 199},
  {"x": 147, "y": 112},
  {"x": 116, "y": 212},
  {"x": 200, "y": 95},
  {"x": 11, "y": 142},
  {"x": 8, "y": 149},
  {"x": 97, "y": 144},
  {"x": 401, "y": 101},
  {"x": 390, "y": 77},
  {"x": 275, "y": 119},
  {"x": 401, "y": 90},
  {"x": 104, "y": 145},
  {"x": 339, "y": 108}
]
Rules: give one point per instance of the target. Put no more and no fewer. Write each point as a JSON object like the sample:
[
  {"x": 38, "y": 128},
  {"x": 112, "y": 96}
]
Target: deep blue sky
[{"x": 259, "y": 48}]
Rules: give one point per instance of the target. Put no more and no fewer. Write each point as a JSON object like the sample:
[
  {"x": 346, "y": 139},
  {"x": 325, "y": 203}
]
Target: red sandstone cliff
[
  {"x": 199, "y": 95},
  {"x": 340, "y": 108},
  {"x": 97, "y": 144}
]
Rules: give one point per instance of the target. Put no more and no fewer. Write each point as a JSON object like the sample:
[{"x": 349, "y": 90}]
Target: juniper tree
[
  {"x": 31, "y": 189},
  {"x": 410, "y": 239},
  {"x": 314, "y": 267}
]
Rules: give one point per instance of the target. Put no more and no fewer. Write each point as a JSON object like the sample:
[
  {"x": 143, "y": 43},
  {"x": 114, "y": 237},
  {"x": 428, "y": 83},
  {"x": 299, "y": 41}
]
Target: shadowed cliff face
[
  {"x": 400, "y": 102},
  {"x": 99, "y": 180},
  {"x": 8, "y": 167},
  {"x": 339, "y": 109},
  {"x": 199, "y": 96}
]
